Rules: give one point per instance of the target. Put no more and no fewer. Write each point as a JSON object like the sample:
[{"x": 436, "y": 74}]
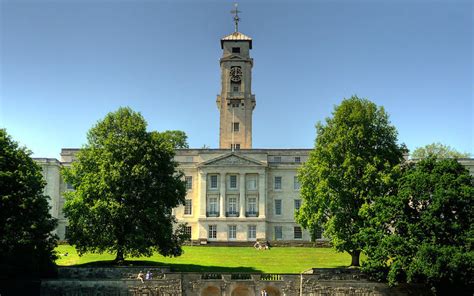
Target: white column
[
  {"x": 242, "y": 195},
  {"x": 222, "y": 196},
  {"x": 262, "y": 195},
  {"x": 202, "y": 194}
]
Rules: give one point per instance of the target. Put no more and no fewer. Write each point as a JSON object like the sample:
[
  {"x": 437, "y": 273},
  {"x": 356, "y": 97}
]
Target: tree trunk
[
  {"x": 355, "y": 258},
  {"x": 119, "y": 258}
]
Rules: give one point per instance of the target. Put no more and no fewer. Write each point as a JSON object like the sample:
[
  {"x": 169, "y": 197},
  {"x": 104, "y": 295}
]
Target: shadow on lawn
[{"x": 174, "y": 267}]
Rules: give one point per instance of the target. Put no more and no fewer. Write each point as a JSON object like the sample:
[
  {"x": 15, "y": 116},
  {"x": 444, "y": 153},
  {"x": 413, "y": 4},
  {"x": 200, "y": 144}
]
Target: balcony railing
[
  {"x": 212, "y": 214},
  {"x": 251, "y": 214},
  {"x": 232, "y": 214}
]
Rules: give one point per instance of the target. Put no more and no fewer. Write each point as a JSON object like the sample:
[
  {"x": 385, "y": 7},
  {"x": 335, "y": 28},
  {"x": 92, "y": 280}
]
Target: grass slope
[{"x": 223, "y": 259}]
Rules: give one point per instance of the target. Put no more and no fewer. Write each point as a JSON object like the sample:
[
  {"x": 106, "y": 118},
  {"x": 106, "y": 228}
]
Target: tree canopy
[
  {"x": 424, "y": 232},
  {"x": 351, "y": 165},
  {"x": 126, "y": 185},
  {"x": 177, "y": 139},
  {"x": 439, "y": 150},
  {"x": 26, "y": 239}
]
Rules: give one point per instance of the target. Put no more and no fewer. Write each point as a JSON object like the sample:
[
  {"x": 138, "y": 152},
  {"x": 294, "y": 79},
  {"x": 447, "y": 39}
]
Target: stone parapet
[
  {"x": 314, "y": 282},
  {"x": 116, "y": 273}
]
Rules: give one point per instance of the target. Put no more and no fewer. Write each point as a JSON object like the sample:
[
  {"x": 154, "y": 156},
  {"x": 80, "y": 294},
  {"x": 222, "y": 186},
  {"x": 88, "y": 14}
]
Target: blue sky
[{"x": 66, "y": 64}]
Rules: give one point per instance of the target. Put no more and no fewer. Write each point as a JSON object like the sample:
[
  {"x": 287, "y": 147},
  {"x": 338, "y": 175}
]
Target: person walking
[{"x": 140, "y": 276}]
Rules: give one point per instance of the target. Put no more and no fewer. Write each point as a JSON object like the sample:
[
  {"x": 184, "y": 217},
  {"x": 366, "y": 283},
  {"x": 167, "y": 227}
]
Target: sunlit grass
[{"x": 230, "y": 259}]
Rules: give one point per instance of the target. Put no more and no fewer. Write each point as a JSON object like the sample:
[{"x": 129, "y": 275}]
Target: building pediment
[{"x": 232, "y": 159}]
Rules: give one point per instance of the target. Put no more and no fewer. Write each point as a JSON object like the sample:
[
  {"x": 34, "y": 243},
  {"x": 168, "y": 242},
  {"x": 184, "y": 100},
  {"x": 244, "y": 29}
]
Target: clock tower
[{"x": 236, "y": 101}]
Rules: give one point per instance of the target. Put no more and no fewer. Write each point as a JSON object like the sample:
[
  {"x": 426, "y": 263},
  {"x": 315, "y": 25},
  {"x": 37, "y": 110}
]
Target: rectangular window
[
  {"x": 235, "y": 88},
  {"x": 235, "y": 49},
  {"x": 252, "y": 205},
  {"x": 213, "y": 206},
  {"x": 189, "y": 159},
  {"x": 297, "y": 232},
  {"x": 235, "y": 126},
  {"x": 188, "y": 231},
  {"x": 251, "y": 182},
  {"x": 277, "y": 183},
  {"x": 278, "y": 232},
  {"x": 276, "y": 158},
  {"x": 296, "y": 183},
  {"x": 277, "y": 206},
  {"x": 297, "y": 159},
  {"x": 188, "y": 207},
  {"x": 317, "y": 233},
  {"x": 189, "y": 182},
  {"x": 232, "y": 209},
  {"x": 212, "y": 231},
  {"x": 235, "y": 146},
  {"x": 213, "y": 184},
  {"x": 233, "y": 182},
  {"x": 252, "y": 232},
  {"x": 297, "y": 204},
  {"x": 232, "y": 231}
]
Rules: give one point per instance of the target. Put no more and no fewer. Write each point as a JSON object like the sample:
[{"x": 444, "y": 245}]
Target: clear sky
[{"x": 66, "y": 64}]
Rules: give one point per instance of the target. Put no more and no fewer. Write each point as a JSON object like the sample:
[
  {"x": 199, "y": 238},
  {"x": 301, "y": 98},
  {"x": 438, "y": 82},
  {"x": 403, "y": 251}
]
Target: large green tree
[
  {"x": 439, "y": 150},
  {"x": 126, "y": 185},
  {"x": 424, "y": 232},
  {"x": 351, "y": 165},
  {"x": 26, "y": 239}
]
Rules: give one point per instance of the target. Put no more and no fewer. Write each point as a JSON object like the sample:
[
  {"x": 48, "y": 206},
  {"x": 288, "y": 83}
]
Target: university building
[{"x": 234, "y": 193}]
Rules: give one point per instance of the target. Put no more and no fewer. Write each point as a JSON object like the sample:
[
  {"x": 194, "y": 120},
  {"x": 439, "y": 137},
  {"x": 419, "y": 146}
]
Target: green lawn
[{"x": 224, "y": 259}]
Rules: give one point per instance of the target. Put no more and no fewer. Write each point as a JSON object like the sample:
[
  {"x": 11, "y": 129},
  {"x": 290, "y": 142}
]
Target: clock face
[{"x": 235, "y": 74}]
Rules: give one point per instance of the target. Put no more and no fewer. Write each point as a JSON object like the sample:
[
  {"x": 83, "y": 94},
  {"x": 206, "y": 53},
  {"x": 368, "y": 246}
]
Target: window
[
  {"x": 297, "y": 232},
  {"x": 277, "y": 206},
  {"x": 235, "y": 49},
  {"x": 278, "y": 232},
  {"x": 232, "y": 231},
  {"x": 297, "y": 159},
  {"x": 251, "y": 182},
  {"x": 232, "y": 207},
  {"x": 233, "y": 182},
  {"x": 235, "y": 146},
  {"x": 69, "y": 186},
  {"x": 189, "y": 159},
  {"x": 317, "y": 233},
  {"x": 276, "y": 158},
  {"x": 212, "y": 233},
  {"x": 277, "y": 183},
  {"x": 188, "y": 231},
  {"x": 252, "y": 205},
  {"x": 297, "y": 204},
  {"x": 189, "y": 182},
  {"x": 296, "y": 183},
  {"x": 213, "y": 184},
  {"x": 252, "y": 232},
  {"x": 213, "y": 205},
  {"x": 235, "y": 87},
  {"x": 188, "y": 207},
  {"x": 235, "y": 126}
]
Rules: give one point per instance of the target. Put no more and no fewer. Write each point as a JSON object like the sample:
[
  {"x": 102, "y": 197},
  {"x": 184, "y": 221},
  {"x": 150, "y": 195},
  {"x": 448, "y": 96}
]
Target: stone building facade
[{"x": 234, "y": 193}]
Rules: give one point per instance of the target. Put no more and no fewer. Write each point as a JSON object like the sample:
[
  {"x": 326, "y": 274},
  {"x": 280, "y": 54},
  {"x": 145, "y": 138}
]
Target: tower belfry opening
[{"x": 236, "y": 101}]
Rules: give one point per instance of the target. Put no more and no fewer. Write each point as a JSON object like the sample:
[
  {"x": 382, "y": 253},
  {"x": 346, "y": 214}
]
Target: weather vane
[{"x": 235, "y": 11}]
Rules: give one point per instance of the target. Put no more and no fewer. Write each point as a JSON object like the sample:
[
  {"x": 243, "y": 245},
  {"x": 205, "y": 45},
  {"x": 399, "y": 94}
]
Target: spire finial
[{"x": 235, "y": 11}]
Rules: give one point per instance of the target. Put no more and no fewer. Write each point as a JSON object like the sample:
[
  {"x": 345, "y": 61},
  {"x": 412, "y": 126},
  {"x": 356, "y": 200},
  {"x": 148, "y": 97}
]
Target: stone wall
[{"x": 123, "y": 281}]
